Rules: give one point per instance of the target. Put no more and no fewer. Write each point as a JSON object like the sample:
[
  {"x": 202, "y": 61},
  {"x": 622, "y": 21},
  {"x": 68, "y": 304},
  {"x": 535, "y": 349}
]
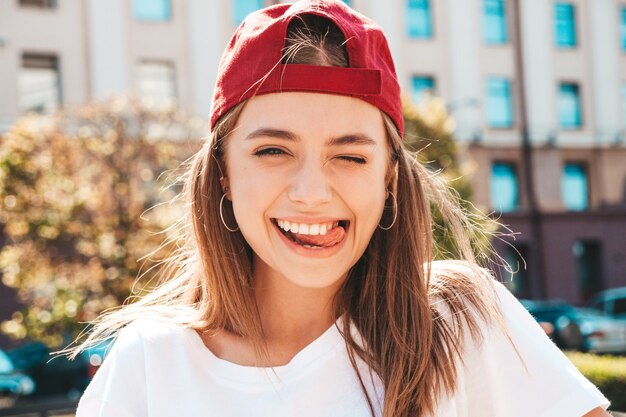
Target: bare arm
[{"x": 597, "y": 412}]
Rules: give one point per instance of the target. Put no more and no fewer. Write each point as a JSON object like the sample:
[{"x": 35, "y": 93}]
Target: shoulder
[
  {"x": 150, "y": 329},
  {"x": 464, "y": 294},
  {"x": 120, "y": 386},
  {"x": 459, "y": 273},
  {"x": 461, "y": 291},
  {"x": 136, "y": 343},
  {"x": 511, "y": 350},
  {"x": 147, "y": 337}
]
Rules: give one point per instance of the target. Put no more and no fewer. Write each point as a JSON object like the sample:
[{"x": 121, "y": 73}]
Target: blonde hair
[{"x": 413, "y": 314}]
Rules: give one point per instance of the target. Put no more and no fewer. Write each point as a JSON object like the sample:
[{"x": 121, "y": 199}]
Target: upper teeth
[{"x": 306, "y": 228}]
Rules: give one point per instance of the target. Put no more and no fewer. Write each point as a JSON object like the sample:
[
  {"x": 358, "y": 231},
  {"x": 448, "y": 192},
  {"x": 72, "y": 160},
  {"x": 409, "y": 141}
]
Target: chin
[{"x": 315, "y": 279}]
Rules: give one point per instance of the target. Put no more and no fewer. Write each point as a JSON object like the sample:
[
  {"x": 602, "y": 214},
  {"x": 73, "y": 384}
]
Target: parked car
[
  {"x": 603, "y": 333},
  {"x": 94, "y": 356},
  {"x": 559, "y": 320},
  {"x": 581, "y": 329},
  {"x": 57, "y": 375},
  {"x": 612, "y": 302},
  {"x": 13, "y": 384}
]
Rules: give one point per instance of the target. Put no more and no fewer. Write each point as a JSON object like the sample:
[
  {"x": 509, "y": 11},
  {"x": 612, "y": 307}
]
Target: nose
[{"x": 310, "y": 185}]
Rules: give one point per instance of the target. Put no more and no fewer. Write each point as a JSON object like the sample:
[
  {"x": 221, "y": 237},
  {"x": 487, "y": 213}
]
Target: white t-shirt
[{"x": 157, "y": 369}]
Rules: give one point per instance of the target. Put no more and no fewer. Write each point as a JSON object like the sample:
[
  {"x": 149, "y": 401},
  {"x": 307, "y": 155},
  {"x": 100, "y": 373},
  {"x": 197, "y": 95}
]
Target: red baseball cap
[{"x": 251, "y": 64}]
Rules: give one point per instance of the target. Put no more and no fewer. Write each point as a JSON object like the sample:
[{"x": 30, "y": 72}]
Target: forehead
[{"x": 312, "y": 115}]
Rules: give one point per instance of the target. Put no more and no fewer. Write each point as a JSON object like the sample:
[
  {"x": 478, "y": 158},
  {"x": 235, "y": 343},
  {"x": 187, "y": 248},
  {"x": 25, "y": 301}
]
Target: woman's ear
[
  {"x": 225, "y": 187},
  {"x": 392, "y": 178}
]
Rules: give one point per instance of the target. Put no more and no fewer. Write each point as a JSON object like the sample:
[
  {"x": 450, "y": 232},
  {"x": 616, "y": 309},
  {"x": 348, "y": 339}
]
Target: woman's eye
[
  {"x": 353, "y": 159},
  {"x": 269, "y": 151}
]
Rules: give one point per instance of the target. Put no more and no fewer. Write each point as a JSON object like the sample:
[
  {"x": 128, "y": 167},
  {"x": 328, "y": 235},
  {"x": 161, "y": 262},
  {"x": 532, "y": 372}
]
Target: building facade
[{"x": 573, "y": 237}]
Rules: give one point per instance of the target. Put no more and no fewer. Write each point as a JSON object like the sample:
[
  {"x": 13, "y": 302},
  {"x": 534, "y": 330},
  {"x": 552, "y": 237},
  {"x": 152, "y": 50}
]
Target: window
[
  {"x": 422, "y": 86},
  {"x": 499, "y": 103},
  {"x": 39, "y": 83},
  {"x": 598, "y": 304},
  {"x": 419, "y": 19},
  {"x": 152, "y": 10},
  {"x": 44, "y": 4},
  {"x": 574, "y": 187},
  {"x": 569, "y": 106},
  {"x": 564, "y": 25},
  {"x": 622, "y": 27},
  {"x": 619, "y": 306},
  {"x": 156, "y": 82},
  {"x": 504, "y": 187},
  {"x": 588, "y": 255},
  {"x": 494, "y": 24},
  {"x": 348, "y": 2},
  {"x": 242, "y": 8}
]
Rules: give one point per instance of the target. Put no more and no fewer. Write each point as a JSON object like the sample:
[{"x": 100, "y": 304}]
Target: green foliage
[
  {"x": 74, "y": 190},
  {"x": 606, "y": 372},
  {"x": 429, "y": 132}
]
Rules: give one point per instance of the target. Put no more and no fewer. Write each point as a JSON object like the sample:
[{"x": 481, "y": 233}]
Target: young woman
[{"x": 308, "y": 286}]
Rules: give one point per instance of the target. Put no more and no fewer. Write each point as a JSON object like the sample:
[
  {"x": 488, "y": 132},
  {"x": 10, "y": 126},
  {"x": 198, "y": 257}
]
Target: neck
[{"x": 292, "y": 316}]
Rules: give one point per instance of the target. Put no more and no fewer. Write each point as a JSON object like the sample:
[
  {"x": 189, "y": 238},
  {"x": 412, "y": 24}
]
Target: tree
[
  {"x": 75, "y": 189},
  {"x": 429, "y": 132}
]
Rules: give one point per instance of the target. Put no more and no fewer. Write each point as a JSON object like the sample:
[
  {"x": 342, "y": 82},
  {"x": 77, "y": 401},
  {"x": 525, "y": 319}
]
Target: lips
[{"x": 313, "y": 235}]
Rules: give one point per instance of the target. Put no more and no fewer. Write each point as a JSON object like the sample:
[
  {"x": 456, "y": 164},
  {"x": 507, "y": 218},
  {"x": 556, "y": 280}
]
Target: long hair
[{"x": 414, "y": 315}]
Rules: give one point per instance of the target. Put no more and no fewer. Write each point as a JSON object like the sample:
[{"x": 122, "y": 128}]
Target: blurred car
[
  {"x": 612, "y": 302},
  {"x": 94, "y": 356},
  {"x": 58, "y": 375},
  {"x": 13, "y": 384},
  {"x": 53, "y": 376},
  {"x": 580, "y": 329},
  {"x": 603, "y": 333},
  {"x": 559, "y": 320}
]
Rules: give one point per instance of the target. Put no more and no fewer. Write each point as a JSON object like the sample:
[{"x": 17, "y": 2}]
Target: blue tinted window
[
  {"x": 569, "y": 106},
  {"x": 499, "y": 103},
  {"x": 504, "y": 188},
  {"x": 152, "y": 10},
  {"x": 623, "y": 27},
  {"x": 494, "y": 22},
  {"x": 242, "y": 8},
  {"x": 574, "y": 187},
  {"x": 421, "y": 86},
  {"x": 565, "y": 25},
  {"x": 419, "y": 19},
  {"x": 348, "y": 2}
]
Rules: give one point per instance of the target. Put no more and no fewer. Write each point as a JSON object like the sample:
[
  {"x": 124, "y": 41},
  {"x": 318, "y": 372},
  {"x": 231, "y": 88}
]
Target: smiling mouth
[{"x": 313, "y": 236}]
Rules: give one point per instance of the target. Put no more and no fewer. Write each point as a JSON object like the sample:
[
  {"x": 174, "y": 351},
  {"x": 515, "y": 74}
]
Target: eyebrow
[{"x": 351, "y": 139}]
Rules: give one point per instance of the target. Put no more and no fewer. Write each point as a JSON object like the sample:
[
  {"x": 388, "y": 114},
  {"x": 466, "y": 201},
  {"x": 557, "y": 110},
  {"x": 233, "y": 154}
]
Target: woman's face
[{"x": 315, "y": 165}]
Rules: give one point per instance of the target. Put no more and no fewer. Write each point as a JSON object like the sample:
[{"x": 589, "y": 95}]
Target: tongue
[{"x": 331, "y": 238}]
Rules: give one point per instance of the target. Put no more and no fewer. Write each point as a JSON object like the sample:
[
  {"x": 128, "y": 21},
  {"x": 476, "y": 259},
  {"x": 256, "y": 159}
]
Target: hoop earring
[
  {"x": 222, "y": 216},
  {"x": 395, "y": 213}
]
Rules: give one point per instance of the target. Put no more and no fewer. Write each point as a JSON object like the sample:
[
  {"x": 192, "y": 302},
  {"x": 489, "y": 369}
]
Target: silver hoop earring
[
  {"x": 222, "y": 216},
  {"x": 395, "y": 213}
]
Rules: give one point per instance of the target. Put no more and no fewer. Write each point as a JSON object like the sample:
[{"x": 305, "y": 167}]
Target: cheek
[
  {"x": 249, "y": 192},
  {"x": 253, "y": 192},
  {"x": 365, "y": 196}
]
